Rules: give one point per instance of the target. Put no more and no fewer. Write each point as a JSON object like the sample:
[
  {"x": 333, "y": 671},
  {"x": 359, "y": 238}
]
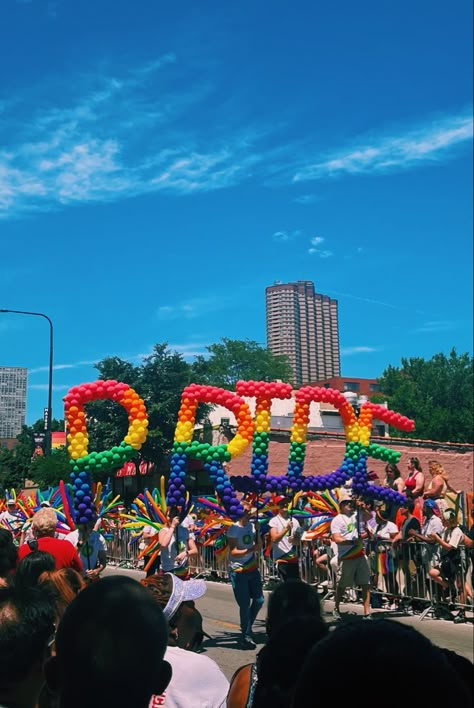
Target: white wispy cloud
[
  {"x": 109, "y": 136},
  {"x": 285, "y": 236},
  {"x": 373, "y": 301},
  {"x": 190, "y": 350},
  {"x": 430, "y": 142},
  {"x": 44, "y": 387},
  {"x": 350, "y": 351},
  {"x": 60, "y": 367},
  {"x": 435, "y": 326},
  {"x": 63, "y": 154},
  {"x": 306, "y": 199},
  {"x": 315, "y": 249},
  {"x": 192, "y": 309}
]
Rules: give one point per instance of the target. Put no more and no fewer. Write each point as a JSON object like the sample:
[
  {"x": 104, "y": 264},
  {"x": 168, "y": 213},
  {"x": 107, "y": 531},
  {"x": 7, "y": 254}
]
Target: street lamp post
[{"x": 50, "y": 380}]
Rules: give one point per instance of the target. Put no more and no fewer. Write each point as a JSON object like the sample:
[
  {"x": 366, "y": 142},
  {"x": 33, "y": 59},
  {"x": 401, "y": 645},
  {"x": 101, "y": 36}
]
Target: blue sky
[{"x": 162, "y": 163}]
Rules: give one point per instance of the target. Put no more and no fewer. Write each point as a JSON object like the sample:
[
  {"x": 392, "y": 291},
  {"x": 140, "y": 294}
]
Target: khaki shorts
[{"x": 353, "y": 572}]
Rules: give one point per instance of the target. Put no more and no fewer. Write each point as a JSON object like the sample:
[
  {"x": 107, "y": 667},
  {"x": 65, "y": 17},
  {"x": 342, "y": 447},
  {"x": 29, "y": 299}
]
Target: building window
[
  {"x": 374, "y": 387},
  {"x": 351, "y": 386}
]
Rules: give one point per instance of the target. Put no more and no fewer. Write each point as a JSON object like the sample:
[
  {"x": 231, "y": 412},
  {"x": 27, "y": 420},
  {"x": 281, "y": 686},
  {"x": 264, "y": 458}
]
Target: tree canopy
[
  {"x": 232, "y": 360},
  {"x": 437, "y": 393}
]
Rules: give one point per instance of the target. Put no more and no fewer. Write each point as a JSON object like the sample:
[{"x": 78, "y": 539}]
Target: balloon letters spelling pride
[
  {"x": 354, "y": 465},
  {"x": 83, "y": 462}
]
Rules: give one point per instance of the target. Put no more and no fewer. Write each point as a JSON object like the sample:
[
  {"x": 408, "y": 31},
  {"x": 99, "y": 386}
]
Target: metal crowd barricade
[
  {"x": 400, "y": 574},
  {"x": 122, "y": 550}
]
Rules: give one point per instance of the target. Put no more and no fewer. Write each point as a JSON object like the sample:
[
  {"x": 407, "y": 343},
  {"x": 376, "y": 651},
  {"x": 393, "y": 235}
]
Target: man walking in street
[
  {"x": 244, "y": 542},
  {"x": 353, "y": 569}
]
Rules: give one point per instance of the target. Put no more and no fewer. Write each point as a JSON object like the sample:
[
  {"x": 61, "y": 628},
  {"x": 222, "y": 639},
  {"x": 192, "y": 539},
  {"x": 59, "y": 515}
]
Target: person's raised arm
[
  {"x": 277, "y": 534},
  {"x": 166, "y": 535}
]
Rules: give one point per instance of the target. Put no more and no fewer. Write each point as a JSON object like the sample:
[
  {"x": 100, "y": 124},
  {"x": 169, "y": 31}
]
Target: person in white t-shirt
[
  {"x": 449, "y": 572},
  {"x": 91, "y": 547},
  {"x": 244, "y": 542},
  {"x": 11, "y": 517},
  {"x": 432, "y": 524},
  {"x": 353, "y": 569},
  {"x": 285, "y": 535},
  {"x": 176, "y": 545}
]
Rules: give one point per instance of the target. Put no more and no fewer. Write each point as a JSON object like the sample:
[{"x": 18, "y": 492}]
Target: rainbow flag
[
  {"x": 351, "y": 552},
  {"x": 248, "y": 566},
  {"x": 290, "y": 557}
]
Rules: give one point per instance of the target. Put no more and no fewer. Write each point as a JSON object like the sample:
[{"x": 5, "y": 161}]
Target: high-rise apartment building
[
  {"x": 12, "y": 401},
  {"x": 303, "y": 325}
]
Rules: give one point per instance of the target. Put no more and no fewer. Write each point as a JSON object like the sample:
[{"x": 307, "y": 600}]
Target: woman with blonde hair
[{"x": 438, "y": 485}]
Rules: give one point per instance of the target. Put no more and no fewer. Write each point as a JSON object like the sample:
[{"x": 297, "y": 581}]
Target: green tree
[
  {"x": 48, "y": 471},
  {"x": 15, "y": 465},
  {"x": 437, "y": 393},
  {"x": 10, "y": 473},
  {"x": 232, "y": 360}
]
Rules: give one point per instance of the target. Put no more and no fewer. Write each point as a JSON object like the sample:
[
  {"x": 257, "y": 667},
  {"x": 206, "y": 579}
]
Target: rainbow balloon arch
[{"x": 251, "y": 430}]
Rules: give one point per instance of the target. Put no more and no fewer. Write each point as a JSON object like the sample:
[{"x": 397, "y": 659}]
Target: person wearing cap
[
  {"x": 196, "y": 680},
  {"x": 285, "y": 537},
  {"x": 244, "y": 542},
  {"x": 43, "y": 526},
  {"x": 448, "y": 574},
  {"x": 353, "y": 569},
  {"x": 10, "y": 518},
  {"x": 92, "y": 549}
]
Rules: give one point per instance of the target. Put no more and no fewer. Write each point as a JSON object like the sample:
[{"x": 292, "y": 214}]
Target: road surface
[{"x": 221, "y": 621}]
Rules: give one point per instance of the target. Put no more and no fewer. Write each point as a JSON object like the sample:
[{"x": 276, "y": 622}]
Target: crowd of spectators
[
  {"x": 70, "y": 638},
  {"x": 122, "y": 643}
]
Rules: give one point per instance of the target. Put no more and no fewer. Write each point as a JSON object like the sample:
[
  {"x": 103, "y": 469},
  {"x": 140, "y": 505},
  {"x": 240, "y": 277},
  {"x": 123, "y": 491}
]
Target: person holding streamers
[
  {"x": 285, "y": 537},
  {"x": 244, "y": 542},
  {"x": 353, "y": 568},
  {"x": 176, "y": 545}
]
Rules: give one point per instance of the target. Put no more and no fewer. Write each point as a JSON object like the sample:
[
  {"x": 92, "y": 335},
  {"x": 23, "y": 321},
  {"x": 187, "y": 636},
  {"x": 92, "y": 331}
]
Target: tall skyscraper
[
  {"x": 303, "y": 325},
  {"x": 12, "y": 401}
]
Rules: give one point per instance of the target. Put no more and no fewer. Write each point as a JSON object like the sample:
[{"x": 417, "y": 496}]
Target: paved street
[{"x": 221, "y": 618}]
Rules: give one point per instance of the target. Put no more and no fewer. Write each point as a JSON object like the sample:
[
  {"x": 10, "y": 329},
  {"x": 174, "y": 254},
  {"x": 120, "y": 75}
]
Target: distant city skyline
[{"x": 302, "y": 324}]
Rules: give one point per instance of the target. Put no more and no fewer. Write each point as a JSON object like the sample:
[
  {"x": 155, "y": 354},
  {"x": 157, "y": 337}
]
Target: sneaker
[
  {"x": 461, "y": 617},
  {"x": 368, "y": 617},
  {"x": 336, "y": 614},
  {"x": 246, "y": 642}
]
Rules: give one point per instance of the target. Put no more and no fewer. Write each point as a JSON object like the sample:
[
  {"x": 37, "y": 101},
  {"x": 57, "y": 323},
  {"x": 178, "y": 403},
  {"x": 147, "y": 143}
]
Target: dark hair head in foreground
[
  {"x": 32, "y": 566},
  {"x": 109, "y": 648},
  {"x": 362, "y": 655},
  {"x": 292, "y": 599},
  {"x": 280, "y": 660},
  {"x": 26, "y": 634},
  {"x": 8, "y": 552}
]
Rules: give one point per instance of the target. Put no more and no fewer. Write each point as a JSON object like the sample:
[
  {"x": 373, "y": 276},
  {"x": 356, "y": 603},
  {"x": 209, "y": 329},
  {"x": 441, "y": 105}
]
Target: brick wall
[{"x": 323, "y": 456}]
